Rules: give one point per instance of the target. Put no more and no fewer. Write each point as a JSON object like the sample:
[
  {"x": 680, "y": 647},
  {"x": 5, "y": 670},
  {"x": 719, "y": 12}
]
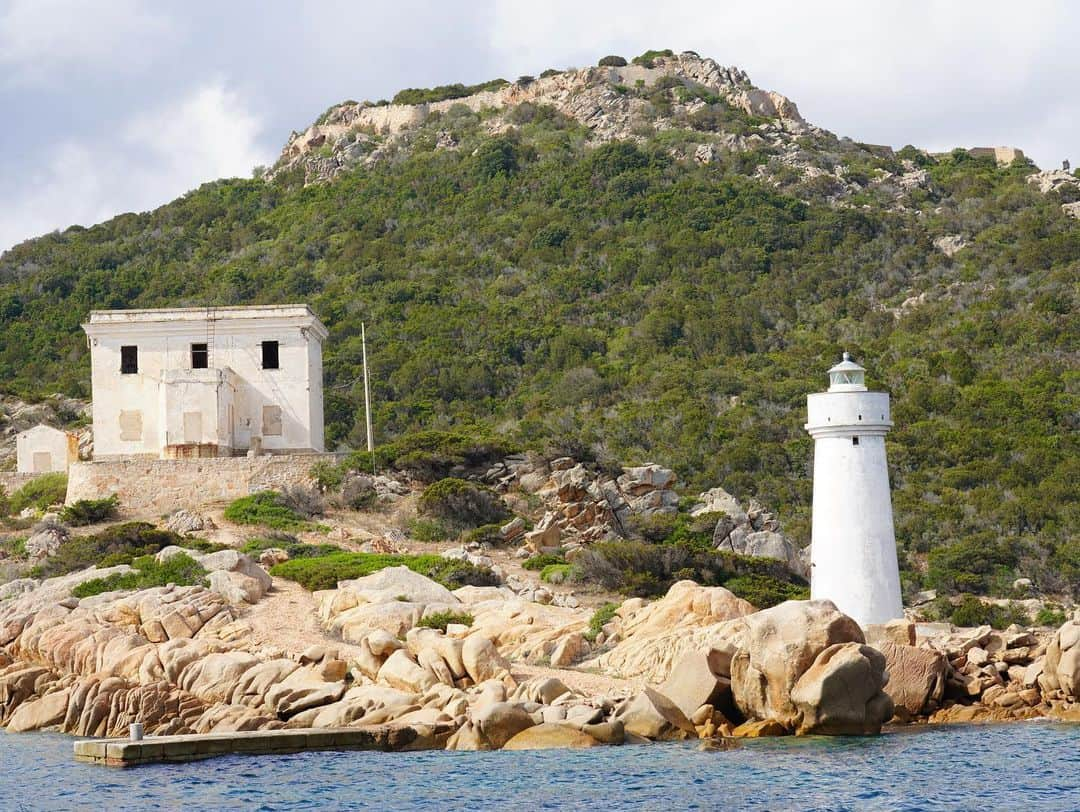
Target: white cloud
[
  {"x": 152, "y": 157},
  {"x": 42, "y": 40}
]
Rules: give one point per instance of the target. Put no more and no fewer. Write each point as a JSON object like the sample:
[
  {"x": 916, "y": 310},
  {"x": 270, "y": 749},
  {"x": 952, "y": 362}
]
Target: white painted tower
[{"x": 853, "y": 546}]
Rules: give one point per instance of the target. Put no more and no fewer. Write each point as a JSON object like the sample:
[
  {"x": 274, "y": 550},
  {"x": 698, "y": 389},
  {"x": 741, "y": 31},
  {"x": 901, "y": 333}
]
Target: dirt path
[{"x": 287, "y": 618}]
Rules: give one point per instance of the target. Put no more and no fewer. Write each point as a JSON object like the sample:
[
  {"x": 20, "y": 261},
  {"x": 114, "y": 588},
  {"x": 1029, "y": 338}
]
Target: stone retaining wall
[
  {"x": 11, "y": 481},
  {"x": 162, "y": 486}
]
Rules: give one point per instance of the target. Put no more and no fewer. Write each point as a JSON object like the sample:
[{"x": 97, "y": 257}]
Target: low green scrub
[
  {"x": 484, "y": 534},
  {"x": 1050, "y": 616},
  {"x": 15, "y": 548},
  {"x": 180, "y": 569},
  {"x": 324, "y": 572},
  {"x": 427, "y": 95},
  {"x": 538, "y": 562},
  {"x": 295, "y": 549},
  {"x": 120, "y": 544},
  {"x": 646, "y": 570},
  {"x": 556, "y": 573},
  {"x": 90, "y": 511},
  {"x": 462, "y": 505},
  {"x": 647, "y": 59},
  {"x": 440, "y": 620},
  {"x": 981, "y": 564},
  {"x": 266, "y": 508},
  {"x": 40, "y": 493},
  {"x": 428, "y": 531},
  {"x": 601, "y": 617},
  {"x": 970, "y": 611}
]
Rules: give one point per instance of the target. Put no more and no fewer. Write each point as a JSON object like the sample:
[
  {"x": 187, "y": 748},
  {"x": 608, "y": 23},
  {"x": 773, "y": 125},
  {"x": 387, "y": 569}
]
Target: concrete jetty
[{"x": 159, "y": 749}]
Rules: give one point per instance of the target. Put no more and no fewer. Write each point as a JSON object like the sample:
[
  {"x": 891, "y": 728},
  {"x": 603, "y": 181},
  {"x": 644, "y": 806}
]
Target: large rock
[
  {"x": 549, "y": 736},
  {"x": 768, "y": 544},
  {"x": 400, "y": 583},
  {"x": 502, "y": 721},
  {"x": 482, "y": 660},
  {"x": 717, "y": 500},
  {"x": 776, "y": 648},
  {"x": 48, "y": 711},
  {"x": 916, "y": 678},
  {"x": 841, "y": 693},
  {"x": 652, "y": 715},
  {"x": 236, "y": 587},
  {"x": 234, "y": 561},
  {"x": 692, "y": 684},
  {"x": 1061, "y": 668}
]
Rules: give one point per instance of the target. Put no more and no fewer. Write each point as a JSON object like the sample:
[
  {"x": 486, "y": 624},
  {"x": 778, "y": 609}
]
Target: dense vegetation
[
  {"x": 324, "y": 571},
  {"x": 618, "y": 303},
  {"x": 180, "y": 569}
]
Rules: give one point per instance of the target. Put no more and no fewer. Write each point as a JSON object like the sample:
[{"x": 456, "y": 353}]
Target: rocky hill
[{"x": 650, "y": 262}]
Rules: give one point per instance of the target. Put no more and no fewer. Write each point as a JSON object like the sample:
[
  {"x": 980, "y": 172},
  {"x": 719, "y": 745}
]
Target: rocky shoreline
[{"x": 697, "y": 663}]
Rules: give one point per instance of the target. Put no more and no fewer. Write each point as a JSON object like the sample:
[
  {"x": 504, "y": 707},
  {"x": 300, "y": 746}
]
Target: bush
[
  {"x": 461, "y": 504},
  {"x": 970, "y": 611},
  {"x": 267, "y": 508},
  {"x": 119, "y": 544},
  {"x": 428, "y": 531},
  {"x": 180, "y": 569},
  {"x": 432, "y": 455},
  {"x": 324, "y": 572},
  {"x": 601, "y": 617},
  {"x": 90, "y": 511},
  {"x": 612, "y": 62},
  {"x": 327, "y": 475},
  {"x": 646, "y": 570},
  {"x": 294, "y": 548},
  {"x": 489, "y": 534},
  {"x": 15, "y": 548},
  {"x": 40, "y": 493},
  {"x": 538, "y": 562},
  {"x": 358, "y": 492},
  {"x": 1050, "y": 616},
  {"x": 556, "y": 573},
  {"x": 646, "y": 60},
  {"x": 440, "y": 620},
  {"x": 978, "y": 564},
  {"x": 307, "y": 502},
  {"x": 421, "y": 95}
]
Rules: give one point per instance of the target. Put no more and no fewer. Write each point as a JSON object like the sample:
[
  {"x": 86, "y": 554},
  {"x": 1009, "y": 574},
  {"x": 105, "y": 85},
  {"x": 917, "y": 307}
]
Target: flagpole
[{"x": 367, "y": 397}]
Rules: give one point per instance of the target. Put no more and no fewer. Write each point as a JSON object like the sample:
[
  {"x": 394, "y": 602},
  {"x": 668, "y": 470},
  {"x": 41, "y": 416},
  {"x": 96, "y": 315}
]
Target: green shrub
[
  {"x": 612, "y": 62},
  {"x": 266, "y": 508},
  {"x": 646, "y": 60},
  {"x": 16, "y": 547},
  {"x": 428, "y": 531},
  {"x": 432, "y": 455},
  {"x": 538, "y": 562},
  {"x": 979, "y": 564},
  {"x": 440, "y": 620},
  {"x": 461, "y": 504},
  {"x": 422, "y": 95},
  {"x": 328, "y": 476},
  {"x": 556, "y": 573},
  {"x": 646, "y": 570},
  {"x": 40, "y": 493},
  {"x": 324, "y": 572},
  {"x": 180, "y": 569},
  {"x": 601, "y": 617},
  {"x": 290, "y": 545},
  {"x": 119, "y": 544},
  {"x": 1050, "y": 616},
  {"x": 90, "y": 511},
  {"x": 970, "y": 611}
]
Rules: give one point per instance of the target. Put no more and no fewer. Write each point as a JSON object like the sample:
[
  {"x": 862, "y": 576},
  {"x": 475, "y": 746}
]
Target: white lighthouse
[{"x": 853, "y": 547}]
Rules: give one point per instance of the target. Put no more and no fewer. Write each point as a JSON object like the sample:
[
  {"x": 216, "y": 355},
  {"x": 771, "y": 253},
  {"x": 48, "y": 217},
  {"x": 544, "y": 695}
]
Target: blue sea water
[{"x": 1029, "y": 766}]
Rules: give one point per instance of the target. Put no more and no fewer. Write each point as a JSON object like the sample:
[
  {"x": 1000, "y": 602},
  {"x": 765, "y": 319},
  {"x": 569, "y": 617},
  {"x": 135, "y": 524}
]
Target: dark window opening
[
  {"x": 270, "y": 355},
  {"x": 200, "y": 356},
  {"x": 854, "y": 440},
  {"x": 129, "y": 360},
  {"x": 860, "y": 417}
]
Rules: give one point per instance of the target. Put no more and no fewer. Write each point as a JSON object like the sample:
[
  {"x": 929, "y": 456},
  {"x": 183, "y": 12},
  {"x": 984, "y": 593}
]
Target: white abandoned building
[
  {"x": 206, "y": 382},
  {"x": 43, "y": 449}
]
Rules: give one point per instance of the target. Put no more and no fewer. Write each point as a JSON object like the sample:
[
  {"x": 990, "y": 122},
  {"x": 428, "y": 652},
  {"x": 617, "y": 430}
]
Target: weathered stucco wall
[
  {"x": 43, "y": 449},
  {"x": 11, "y": 481},
  {"x": 161, "y": 486}
]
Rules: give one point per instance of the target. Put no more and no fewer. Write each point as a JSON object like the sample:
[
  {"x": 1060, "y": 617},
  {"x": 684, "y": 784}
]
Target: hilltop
[{"x": 651, "y": 262}]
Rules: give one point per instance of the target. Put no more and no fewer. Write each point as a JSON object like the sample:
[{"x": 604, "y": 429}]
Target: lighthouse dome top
[{"x": 847, "y": 376}]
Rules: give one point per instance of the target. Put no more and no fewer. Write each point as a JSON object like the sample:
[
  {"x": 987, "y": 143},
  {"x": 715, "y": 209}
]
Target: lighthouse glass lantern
[{"x": 853, "y": 545}]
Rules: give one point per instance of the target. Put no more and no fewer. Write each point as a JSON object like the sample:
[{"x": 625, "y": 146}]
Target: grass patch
[
  {"x": 295, "y": 549},
  {"x": 440, "y": 620},
  {"x": 266, "y": 508},
  {"x": 555, "y": 573},
  {"x": 324, "y": 572},
  {"x": 180, "y": 569}
]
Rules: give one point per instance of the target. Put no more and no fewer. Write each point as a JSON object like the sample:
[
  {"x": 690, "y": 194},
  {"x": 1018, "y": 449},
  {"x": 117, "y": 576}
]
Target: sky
[{"x": 113, "y": 106}]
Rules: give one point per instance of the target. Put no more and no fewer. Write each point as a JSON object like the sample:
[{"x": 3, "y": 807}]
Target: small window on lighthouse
[{"x": 854, "y": 440}]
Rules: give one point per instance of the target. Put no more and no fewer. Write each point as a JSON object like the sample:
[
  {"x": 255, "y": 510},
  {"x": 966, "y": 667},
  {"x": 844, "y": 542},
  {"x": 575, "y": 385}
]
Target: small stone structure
[
  {"x": 1003, "y": 155},
  {"x": 43, "y": 449},
  {"x": 162, "y": 486}
]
